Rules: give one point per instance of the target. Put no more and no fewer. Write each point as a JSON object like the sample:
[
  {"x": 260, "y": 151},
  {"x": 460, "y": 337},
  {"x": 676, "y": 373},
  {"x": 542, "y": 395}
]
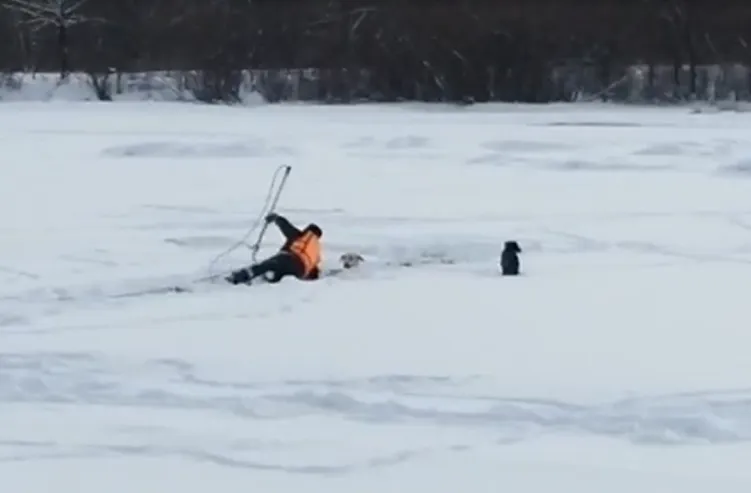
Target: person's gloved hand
[{"x": 272, "y": 217}]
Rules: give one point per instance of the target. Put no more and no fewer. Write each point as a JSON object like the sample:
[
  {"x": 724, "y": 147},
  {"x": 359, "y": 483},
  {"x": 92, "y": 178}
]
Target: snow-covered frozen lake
[{"x": 619, "y": 361}]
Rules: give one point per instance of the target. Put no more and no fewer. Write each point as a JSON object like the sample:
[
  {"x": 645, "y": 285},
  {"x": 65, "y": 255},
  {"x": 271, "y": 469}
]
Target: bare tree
[
  {"x": 345, "y": 50},
  {"x": 61, "y": 14}
]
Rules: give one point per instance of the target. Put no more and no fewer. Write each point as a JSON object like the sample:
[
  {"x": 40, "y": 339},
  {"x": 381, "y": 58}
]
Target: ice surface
[{"x": 618, "y": 362}]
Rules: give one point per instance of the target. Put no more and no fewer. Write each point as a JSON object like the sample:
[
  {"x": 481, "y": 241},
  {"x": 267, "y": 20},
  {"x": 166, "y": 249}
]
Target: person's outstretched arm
[{"x": 288, "y": 230}]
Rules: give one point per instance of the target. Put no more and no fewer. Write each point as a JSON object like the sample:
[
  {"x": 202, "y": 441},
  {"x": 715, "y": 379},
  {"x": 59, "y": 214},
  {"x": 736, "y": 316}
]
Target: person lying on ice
[{"x": 300, "y": 256}]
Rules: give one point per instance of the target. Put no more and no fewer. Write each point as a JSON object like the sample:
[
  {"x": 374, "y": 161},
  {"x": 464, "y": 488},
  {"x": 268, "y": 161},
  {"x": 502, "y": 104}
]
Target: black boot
[{"x": 241, "y": 276}]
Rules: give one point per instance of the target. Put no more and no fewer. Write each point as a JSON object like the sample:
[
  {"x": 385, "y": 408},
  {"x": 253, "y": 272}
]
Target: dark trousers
[{"x": 279, "y": 266}]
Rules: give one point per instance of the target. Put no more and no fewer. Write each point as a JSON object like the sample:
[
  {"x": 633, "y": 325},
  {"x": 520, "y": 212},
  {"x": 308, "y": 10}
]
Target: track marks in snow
[
  {"x": 12, "y": 320},
  {"x": 740, "y": 168},
  {"x": 522, "y": 146},
  {"x": 405, "y": 146},
  {"x": 687, "y": 149},
  {"x": 560, "y": 155},
  {"x": 564, "y": 155},
  {"x": 468, "y": 403},
  {"x": 604, "y": 165},
  {"x": 406, "y": 142},
  {"x": 180, "y": 209},
  {"x": 17, "y": 273},
  {"x": 209, "y": 243},
  {"x": 12, "y": 451},
  {"x": 249, "y": 148}
]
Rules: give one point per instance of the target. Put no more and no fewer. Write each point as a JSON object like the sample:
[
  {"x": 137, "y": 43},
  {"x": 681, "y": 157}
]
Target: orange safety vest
[{"x": 308, "y": 249}]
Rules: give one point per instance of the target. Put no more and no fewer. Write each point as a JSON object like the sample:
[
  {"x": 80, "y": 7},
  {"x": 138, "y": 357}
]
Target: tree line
[{"x": 387, "y": 50}]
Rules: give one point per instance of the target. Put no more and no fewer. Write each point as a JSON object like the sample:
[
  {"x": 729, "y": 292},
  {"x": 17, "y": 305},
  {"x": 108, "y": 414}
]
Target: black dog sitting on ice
[{"x": 510, "y": 258}]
